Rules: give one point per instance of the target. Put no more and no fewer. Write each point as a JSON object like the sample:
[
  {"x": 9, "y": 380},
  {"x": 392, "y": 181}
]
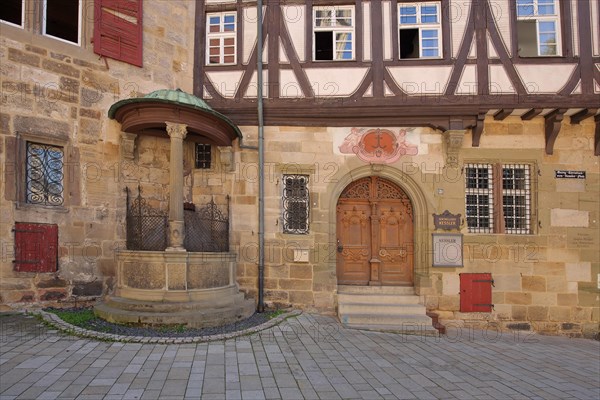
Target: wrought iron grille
[
  {"x": 206, "y": 229},
  {"x": 516, "y": 198},
  {"x": 146, "y": 226},
  {"x": 44, "y": 174},
  {"x": 296, "y": 201},
  {"x": 479, "y": 197}
]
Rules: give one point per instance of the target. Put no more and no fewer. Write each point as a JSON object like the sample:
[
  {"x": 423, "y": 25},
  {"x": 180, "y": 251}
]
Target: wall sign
[
  {"x": 447, "y": 250},
  {"x": 446, "y": 221},
  {"x": 562, "y": 174}
]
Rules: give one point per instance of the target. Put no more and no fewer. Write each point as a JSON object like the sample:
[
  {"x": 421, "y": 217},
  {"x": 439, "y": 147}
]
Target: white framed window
[
  {"x": 296, "y": 204},
  {"x": 12, "y": 13},
  {"x": 498, "y": 198},
  {"x": 333, "y": 33},
  {"x": 62, "y": 20},
  {"x": 538, "y": 28},
  {"x": 221, "y": 38},
  {"x": 419, "y": 30}
]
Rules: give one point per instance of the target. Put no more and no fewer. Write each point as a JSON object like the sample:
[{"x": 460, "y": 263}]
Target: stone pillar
[{"x": 177, "y": 133}]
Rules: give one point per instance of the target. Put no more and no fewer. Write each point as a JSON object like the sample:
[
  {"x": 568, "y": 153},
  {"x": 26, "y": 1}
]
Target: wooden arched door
[{"x": 374, "y": 234}]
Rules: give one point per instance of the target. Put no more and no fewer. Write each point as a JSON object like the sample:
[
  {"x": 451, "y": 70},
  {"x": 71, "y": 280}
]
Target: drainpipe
[{"x": 261, "y": 161}]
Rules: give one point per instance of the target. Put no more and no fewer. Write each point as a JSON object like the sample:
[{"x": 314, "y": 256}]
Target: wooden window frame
[
  {"x": 422, "y": 25},
  {"x": 497, "y": 206},
  {"x": 334, "y": 30},
  {"x": 221, "y": 36},
  {"x": 79, "y": 24},
  {"x": 556, "y": 18}
]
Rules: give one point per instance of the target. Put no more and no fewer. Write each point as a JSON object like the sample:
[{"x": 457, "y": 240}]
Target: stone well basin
[{"x": 175, "y": 287}]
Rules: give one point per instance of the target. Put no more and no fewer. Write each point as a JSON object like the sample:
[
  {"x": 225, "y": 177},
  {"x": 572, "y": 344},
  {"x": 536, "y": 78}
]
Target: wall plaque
[
  {"x": 558, "y": 174},
  {"x": 447, "y": 250},
  {"x": 446, "y": 221}
]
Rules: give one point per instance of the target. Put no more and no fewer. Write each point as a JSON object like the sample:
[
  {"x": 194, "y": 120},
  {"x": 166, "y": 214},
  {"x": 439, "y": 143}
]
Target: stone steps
[
  {"x": 195, "y": 314},
  {"x": 384, "y": 308}
]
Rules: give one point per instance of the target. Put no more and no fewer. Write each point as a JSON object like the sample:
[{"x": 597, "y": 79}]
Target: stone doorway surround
[{"x": 422, "y": 206}]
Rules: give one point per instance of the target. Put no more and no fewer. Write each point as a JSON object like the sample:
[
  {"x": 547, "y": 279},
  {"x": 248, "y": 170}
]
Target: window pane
[
  {"x": 12, "y": 11},
  {"x": 524, "y": 8},
  {"x": 547, "y": 26},
  {"x": 215, "y": 20},
  {"x": 229, "y": 19},
  {"x": 62, "y": 19},
  {"x": 546, "y": 7},
  {"x": 548, "y": 50},
  {"x": 430, "y": 53}
]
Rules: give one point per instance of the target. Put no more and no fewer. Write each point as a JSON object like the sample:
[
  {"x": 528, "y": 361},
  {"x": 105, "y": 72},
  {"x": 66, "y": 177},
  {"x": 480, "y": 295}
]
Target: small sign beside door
[
  {"x": 562, "y": 174},
  {"x": 447, "y": 250},
  {"x": 446, "y": 221}
]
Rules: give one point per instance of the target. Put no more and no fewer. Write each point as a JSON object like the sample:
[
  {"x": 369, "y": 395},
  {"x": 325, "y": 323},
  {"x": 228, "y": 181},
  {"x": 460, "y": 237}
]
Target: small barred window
[
  {"x": 45, "y": 175},
  {"x": 296, "y": 204},
  {"x": 203, "y": 156}
]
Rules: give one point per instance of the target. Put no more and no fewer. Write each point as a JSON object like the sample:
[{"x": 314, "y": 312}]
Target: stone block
[
  {"x": 276, "y": 296},
  {"x": 143, "y": 275},
  {"x": 582, "y": 313},
  {"x": 69, "y": 85},
  {"x": 82, "y": 289},
  {"x": 61, "y": 68},
  {"x": 89, "y": 131},
  {"x": 449, "y": 303},
  {"x": 295, "y": 284},
  {"x": 7, "y": 284},
  {"x": 4, "y": 124},
  {"x": 53, "y": 294},
  {"x": 301, "y": 271},
  {"x": 45, "y": 126},
  {"x": 301, "y": 297},
  {"x": 323, "y": 300},
  {"x": 589, "y": 295},
  {"x": 559, "y": 313},
  {"x": 277, "y": 271},
  {"x": 107, "y": 266},
  {"x": 52, "y": 283},
  {"x": 14, "y": 296},
  {"x": 579, "y": 272},
  {"x": 519, "y": 313},
  {"x": 533, "y": 283},
  {"x": 204, "y": 276},
  {"x": 556, "y": 284},
  {"x": 569, "y": 218},
  {"x": 90, "y": 97},
  {"x": 176, "y": 277},
  {"x": 543, "y": 298},
  {"x": 517, "y": 298},
  {"x": 23, "y": 58},
  {"x": 537, "y": 313},
  {"x": 566, "y": 299},
  {"x": 450, "y": 284},
  {"x": 507, "y": 283}
]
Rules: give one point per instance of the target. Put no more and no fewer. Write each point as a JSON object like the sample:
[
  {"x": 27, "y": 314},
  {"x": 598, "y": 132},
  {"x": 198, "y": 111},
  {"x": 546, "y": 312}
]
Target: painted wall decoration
[{"x": 382, "y": 146}]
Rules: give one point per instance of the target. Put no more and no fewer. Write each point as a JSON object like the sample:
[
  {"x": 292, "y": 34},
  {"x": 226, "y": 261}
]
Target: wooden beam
[
  {"x": 503, "y": 113},
  {"x": 477, "y": 130},
  {"x": 531, "y": 114},
  {"x": 597, "y": 136},
  {"x": 552, "y": 127},
  {"x": 583, "y": 114}
]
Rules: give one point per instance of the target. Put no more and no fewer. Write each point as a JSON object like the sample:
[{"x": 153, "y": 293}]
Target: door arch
[{"x": 375, "y": 234}]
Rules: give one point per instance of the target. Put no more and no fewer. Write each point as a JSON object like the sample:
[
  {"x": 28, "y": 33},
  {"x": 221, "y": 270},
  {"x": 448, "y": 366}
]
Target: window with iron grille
[
  {"x": 498, "y": 198},
  {"x": 44, "y": 174},
  {"x": 296, "y": 204},
  {"x": 203, "y": 156}
]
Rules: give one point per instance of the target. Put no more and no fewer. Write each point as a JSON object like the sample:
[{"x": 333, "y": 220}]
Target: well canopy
[{"x": 150, "y": 113}]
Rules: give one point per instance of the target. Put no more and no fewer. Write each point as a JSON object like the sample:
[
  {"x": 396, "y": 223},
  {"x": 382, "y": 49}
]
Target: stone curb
[{"x": 58, "y": 323}]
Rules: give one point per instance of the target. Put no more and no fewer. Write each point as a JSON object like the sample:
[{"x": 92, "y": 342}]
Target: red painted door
[
  {"x": 476, "y": 292},
  {"x": 36, "y": 247}
]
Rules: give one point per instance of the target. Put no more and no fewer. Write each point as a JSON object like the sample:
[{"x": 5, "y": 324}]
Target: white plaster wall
[
  {"x": 499, "y": 80},
  {"x": 250, "y": 16},
  {"x": 545, "y": 78},
  {"x": 333, "y": 82},
  {"x": 428, "y": 80},
  {"x": 225, "y": 82},
  {"x": 366, "y": 31},
  {"x": 295, "y": 16},
  {"x": 387, "y": 30},
  {"x": 459, "y": 14}
]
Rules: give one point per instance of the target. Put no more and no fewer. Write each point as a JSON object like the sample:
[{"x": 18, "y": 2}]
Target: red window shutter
[
  {"x": 476, "y": 292},
  {"x": 118, "y": 30},
  {"x": 36, "y": 247}
]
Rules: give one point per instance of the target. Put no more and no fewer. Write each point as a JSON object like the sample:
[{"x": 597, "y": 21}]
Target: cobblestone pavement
[{"x": 309, "y": 357}]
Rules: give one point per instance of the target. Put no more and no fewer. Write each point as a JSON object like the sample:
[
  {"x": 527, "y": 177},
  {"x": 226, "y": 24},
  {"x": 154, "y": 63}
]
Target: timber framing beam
[
  {"x": 477, "y": 130},
  {"x": 583, "y": 114},
  {"x": 502, "y": 114},
  {"x": 552, "y": 127},
  {"x": 531, "y": 114}
]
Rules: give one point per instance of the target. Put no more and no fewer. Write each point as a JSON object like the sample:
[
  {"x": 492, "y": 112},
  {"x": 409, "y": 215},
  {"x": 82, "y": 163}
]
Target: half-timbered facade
[{"x": 447, "y": 149}]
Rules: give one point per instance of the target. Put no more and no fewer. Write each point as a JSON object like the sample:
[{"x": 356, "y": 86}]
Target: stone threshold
[{"x": 55, "y": 321}]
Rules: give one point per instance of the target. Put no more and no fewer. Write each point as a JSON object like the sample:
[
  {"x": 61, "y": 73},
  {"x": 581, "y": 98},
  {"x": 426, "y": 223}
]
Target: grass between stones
[{"x": 86, "y": 319}]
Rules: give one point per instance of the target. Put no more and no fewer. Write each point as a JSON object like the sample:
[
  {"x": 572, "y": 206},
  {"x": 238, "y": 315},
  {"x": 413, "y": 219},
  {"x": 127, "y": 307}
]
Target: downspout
[{"x": 261, "y": 161}]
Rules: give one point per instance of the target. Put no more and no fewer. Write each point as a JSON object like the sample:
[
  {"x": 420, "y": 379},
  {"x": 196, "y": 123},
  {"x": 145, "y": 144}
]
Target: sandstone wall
[{"x": 55, "y": 90}]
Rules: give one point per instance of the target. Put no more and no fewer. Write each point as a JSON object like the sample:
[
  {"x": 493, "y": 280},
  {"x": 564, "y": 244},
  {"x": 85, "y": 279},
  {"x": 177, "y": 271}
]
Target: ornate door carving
[{"x": 375, "y": 234}]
